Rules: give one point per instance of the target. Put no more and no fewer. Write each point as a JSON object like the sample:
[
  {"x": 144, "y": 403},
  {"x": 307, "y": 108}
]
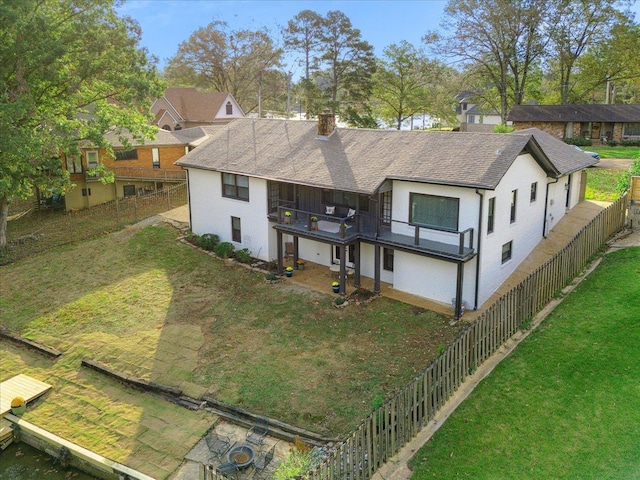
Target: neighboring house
[
  {"x": 138, "y": 170},
  {"x": 185, "y": 107},
  {"x": 444, "y": 215},
  {"x": 472, "y": 118},
  {"x": 594, "y": 122}
]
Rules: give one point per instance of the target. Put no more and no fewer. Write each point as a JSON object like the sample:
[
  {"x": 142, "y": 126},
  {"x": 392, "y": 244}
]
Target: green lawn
[
  {"x": 161, "y": 310},
  {"x": 615, "y": 152},
  {"x": 602, "y": 184},
  {"x": 566, "y": 403}
]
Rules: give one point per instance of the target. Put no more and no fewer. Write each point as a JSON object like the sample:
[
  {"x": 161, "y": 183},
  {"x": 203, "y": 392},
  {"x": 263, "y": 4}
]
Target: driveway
[{"x": 614, "y": 163}]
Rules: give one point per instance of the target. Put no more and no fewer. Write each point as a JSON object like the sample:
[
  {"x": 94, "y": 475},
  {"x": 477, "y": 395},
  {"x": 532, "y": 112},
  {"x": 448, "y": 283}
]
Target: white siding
[
  {"x": 525, "y": 232},
  {"x": 211, "y": 212}
]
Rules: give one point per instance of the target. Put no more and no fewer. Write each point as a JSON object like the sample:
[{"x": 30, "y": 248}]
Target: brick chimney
[{"x": 326, "y": 123}]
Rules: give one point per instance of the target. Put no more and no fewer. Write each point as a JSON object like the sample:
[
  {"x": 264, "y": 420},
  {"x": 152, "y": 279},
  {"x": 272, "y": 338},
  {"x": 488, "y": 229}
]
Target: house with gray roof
[
  {"x": 444, "y": 215},
  {"x": 474, "y": 118},
  {"x": 598, "y": 123}
]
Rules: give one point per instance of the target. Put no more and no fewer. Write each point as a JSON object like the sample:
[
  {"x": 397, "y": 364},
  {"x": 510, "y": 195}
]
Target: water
[{"x": 23, "y": 462}]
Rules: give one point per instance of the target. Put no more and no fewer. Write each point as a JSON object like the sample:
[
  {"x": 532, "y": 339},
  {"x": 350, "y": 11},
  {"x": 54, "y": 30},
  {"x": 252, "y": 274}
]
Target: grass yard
[
  {"x": 615, "y": 152},
  {"x": 602, "y": 184},
  {"x": 565, "y": 404},
  {"x": 157, "y": 309}
]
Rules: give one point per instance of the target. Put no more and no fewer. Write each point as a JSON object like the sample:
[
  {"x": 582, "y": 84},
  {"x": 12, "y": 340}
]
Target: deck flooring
[{"x": 20, "y": 386}]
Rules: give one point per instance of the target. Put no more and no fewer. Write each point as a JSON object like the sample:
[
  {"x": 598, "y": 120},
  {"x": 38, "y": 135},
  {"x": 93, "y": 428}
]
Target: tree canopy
[{"x": 70, "y": 70}]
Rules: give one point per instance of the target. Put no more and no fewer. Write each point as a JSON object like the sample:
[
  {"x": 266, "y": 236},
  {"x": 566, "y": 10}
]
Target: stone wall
[{"x": 555, "y": 129}]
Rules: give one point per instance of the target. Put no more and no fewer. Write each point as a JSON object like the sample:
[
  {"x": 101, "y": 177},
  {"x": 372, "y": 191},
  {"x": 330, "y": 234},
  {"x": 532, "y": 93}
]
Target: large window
[
  {"x": 387, "y": 259},
  {"x": 491, "y": 215},
  {"x": 92, "y": 161},
  {"x": 434, "y": 211},
  {"x": 631, "y": 129},
  {"x": 514, "y": 201},
  {"x": 345, "y": 199},
  {"x": 235, "y": 186},
  {"x": 155, "y": 157},
  {"x": 279, "y": 194},
  {"x": 236, "y": 231},
  {"x": 122, "y": 154}
]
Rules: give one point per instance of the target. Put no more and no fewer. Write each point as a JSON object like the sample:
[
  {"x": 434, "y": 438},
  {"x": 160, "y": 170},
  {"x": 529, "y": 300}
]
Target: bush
[
  {"x": 271, "y": 277},
  {"x": 244, "y": 255},
  {"x": 339, "y": 301},
  {"x": 296, "y": 464},
  {"x": 224, "y": 250},
  {"x": 625, "y": 180},
  {"x": 630, "y": 143},
  {"x": 612, "y": 143},
  {"x": 579, "y": 141},
  {"x": 502, "y": 129},
  {"x": 208, "y": 241}
]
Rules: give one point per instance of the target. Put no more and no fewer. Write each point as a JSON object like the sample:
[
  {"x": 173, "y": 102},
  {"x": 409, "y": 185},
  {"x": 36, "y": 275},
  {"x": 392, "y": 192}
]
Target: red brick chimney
[{"x": 326, "y": 123}]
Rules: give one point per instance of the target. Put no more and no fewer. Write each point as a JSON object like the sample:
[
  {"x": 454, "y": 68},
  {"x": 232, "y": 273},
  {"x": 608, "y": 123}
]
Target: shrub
[
  {"x": 339, "y": 301},
  {"x": 244, "y": 255},
  {"x": 208, "y": 241},
  {"x": 224, "y": 250},
  {"x": 296, "y": 463},
  {"x": 625, "y": 180},
  {"x": 271, "y": 277},
  {"x": 630, "y": 143},
  {"x": 502, "y": 129},
  {"x": 579, "y": 141},
  {"x": 612, "y": 143}
]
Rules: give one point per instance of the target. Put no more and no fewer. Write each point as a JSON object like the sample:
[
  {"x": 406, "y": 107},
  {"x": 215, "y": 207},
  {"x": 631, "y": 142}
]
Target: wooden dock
[{"x": 20, "y": 386}]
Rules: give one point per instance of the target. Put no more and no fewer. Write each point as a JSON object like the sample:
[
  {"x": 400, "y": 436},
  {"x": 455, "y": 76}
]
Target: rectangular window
[
  {"x": 229, "y": 108},
  {"x": 491, "y": 214},
  {"x": 74, "y": 164},
  {"x": 534, "y": 192},
  {"x": 122, "y": 154},
  {"x": 385, "y": 214},
  {"x": 506, "y": 251},
  {"x": 155, "y": 157},
  {"x": 434, "y": 211},
  {"x": 129, "y": 190},
  {"x": 387, "y": 259},
  {"x": 236, "y": 233},
  {"x": 631, "y": 129},
  {"x": 235, "y": 186},
  {"x": 92, "y": 161},
  {"x": 514, "y": 199},
  {"x": 86, "y": 192}
]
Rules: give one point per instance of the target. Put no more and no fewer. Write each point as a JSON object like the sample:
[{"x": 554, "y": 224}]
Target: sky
[{"x": 167, "y": 23}]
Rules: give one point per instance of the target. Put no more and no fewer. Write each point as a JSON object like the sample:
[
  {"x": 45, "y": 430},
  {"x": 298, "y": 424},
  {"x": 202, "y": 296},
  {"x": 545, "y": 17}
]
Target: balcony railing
[
  {"x": 144, "y": 173},
  {"x": 451, "y": 244}
]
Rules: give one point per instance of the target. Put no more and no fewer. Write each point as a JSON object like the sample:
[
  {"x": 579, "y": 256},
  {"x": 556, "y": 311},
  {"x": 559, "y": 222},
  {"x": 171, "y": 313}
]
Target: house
[
  {"x": 183, "y": 107},
  {"x": 598, "y": 123},
  {"x": 472, "y": 117},
  {"x": 444, "y": 215},
  {"x": 138, "y": 169}
]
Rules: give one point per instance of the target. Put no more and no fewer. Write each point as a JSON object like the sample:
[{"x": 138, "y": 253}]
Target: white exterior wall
[
  {"x": 525, "y": 232},
  {"x": 222, "y": 112},
  {"x": 557, "y": 201},
  {"x": 211, "y": 212}
]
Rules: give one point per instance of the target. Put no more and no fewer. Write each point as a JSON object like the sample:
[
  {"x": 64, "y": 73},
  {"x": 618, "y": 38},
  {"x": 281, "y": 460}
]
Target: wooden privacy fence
[
  {"x": 386, "y": 430},
  {"x": 41, "y": 231}
]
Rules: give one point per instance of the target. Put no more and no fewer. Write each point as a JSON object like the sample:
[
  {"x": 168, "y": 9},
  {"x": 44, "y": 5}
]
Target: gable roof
[
  {"x": 188, "y": 136},
  {"x": 360, "y": 160},
  {"x": 575, "y": 113},
  {"x": 195, "y": 106}
]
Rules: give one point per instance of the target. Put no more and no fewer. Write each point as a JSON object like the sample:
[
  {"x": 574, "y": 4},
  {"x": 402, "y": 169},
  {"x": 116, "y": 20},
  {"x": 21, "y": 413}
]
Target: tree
[
  {"x": 349, "y": 61},
  {"x": 217, "y": 58},
  {"x": 406, "y": 83},
  {"x": 573, "y": 28},
  {"x": 500, "y": 39},
  {"x": 81, "y": 75}
]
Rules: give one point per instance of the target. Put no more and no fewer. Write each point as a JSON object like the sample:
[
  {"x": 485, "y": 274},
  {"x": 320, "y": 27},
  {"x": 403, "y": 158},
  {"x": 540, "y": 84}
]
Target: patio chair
[
  {"x": 258, "y": 431},
  {"x": 228, "y": 470},
  {"x": 288, "y": 249},
  {"x": 217, "y": 444},
  {"x": 264, "y": 459}
]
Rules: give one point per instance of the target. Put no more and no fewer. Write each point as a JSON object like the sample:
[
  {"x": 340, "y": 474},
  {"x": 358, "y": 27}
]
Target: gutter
[{"x": 480, "y": 210}]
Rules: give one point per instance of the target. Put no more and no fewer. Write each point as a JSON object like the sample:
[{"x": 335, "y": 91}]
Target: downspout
[
  {"x": 189, "y": 200},
  {"x": 546, "y": 204},
  {"x": 480, "y": 209}
]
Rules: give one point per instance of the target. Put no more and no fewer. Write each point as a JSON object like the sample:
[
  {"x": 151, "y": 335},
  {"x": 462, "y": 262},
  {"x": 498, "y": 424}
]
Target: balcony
[
  {"x": 146, "y": 174},
  {"x": 456, "y": 246}
]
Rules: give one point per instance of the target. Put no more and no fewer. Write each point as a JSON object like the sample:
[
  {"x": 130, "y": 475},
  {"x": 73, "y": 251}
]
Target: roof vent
[{"x": 498, "y": 152}]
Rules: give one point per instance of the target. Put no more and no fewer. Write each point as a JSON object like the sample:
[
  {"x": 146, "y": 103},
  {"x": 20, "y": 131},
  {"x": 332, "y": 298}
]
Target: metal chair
[
  {"x": 258, "y": 431},
  {"x": 264, "y": 459},
  {"x": 228, "y": 470},
  {"x": 217, "y": 444}
]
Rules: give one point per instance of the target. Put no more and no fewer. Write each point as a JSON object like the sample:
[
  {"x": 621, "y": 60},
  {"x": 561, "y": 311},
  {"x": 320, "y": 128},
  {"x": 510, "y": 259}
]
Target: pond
[{"x": 20, "y": 461}]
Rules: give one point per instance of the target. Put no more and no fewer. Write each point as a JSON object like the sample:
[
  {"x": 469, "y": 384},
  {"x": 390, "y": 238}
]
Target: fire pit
[{"x": 242, "y": 455}]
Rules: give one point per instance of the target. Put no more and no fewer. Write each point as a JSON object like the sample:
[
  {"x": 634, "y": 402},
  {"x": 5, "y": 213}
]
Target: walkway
[{"x": 20, "y": 386}]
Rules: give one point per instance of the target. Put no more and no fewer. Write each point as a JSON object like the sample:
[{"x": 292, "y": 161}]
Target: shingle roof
[
  {"x": 193, "y": 105},
  {"x": 188, "y": 136},
  {"x": 360, "y": 160},
  {"x": 575, "y": 113}
]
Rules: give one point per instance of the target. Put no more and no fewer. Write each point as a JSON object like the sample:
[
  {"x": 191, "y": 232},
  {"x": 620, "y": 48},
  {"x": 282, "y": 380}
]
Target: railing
[
  {"x": 460, "y": 238},
  {"x": 389, "y": 428},
  {"x": 143, "y": 173}
]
